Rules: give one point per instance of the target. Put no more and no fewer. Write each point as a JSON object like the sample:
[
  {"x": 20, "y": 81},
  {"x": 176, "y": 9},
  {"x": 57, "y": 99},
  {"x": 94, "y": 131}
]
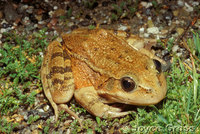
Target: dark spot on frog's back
[
  {"x": 68, "y": 78},
  {"x": 126, "y": 51},
  {"x": 120, "y": 56},
  {"x": 67, "y": 69},
  {"x": 56, "y": 69},
  {"x": 48, "y": 76},
  {"x": 112, "y": 48},
  {"x": 95, "y": 49},
  {"x": 57, "y": 81},
  {"x": 66, "y": 55},
  {"x": 44, "y": 65},
  {"x": 60, "y": 70},
  {"x": 57, "y": 54}
]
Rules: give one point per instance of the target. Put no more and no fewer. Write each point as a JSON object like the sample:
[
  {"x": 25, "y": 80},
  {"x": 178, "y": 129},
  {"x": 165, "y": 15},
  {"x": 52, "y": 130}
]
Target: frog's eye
[
  {"x": 158, "y": 65},
  {"x": 128, "y": 84}
]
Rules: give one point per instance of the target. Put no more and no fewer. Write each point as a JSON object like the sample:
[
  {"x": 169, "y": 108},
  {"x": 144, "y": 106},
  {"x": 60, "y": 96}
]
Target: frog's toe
[
  {"x": 70, "y": 112},
  {"x": 114, "y": 114}
]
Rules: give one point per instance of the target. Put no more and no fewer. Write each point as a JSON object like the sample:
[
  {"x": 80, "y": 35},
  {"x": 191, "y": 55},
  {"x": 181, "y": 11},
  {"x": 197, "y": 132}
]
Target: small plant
[
  {"x": 69, "y": 12},
  {"x": 170, "y": 44},
  {"x": 124, "y": 10},
  {"x": 91, "y": 4},
  {"x": 7, "y": 127},
  {"x": 100, "y": 124},
  {"x": 91, "y": 27},
  {"x": 119, "y": 9},
  {"x": 32, "y": 118},
  {"x": 75, "y": 128},
  {"x": 196, "y": 40}
]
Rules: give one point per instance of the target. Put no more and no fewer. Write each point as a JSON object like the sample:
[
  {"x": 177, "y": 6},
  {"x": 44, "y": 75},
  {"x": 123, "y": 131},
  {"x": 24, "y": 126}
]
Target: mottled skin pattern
[{"x": 91, "y": 65}]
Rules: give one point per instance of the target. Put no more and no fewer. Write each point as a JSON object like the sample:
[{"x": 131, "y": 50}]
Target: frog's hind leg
[{"x": 57, "y": 77}]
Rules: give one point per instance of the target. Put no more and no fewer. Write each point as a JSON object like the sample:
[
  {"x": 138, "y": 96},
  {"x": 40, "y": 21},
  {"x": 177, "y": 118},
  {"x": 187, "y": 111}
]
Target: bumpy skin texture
[{"x": 91, "y": 64}]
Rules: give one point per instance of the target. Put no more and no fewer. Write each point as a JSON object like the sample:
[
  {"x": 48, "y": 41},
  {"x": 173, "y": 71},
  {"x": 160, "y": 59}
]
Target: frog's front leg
[{"x": 88, "y": 98}]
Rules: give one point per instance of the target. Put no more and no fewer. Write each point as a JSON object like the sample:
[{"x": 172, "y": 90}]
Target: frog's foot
[
  {"x": 89, "y": 99},
  {"x": 70, "y": 112},
  {"x": 53, "y": 104}
]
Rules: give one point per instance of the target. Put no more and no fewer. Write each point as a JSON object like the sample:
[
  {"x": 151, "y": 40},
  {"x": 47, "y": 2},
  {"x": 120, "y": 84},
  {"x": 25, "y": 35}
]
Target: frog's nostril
[{"x": 158, "y": 65}]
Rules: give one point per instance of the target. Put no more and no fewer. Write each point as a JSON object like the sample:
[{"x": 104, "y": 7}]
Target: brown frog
[{"x": 100, "y": 67}]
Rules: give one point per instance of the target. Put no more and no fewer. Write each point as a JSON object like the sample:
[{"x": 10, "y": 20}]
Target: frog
[{"x": 101, "y": 67}]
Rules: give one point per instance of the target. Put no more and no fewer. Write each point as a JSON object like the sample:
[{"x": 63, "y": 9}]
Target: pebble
[
  {"x": 195, "y": 3},
  {"x": 55, "y": 7},
  {"x": 51, "y": 13},
  {"x": 36, "y": 131},
  {"x": 59, "y": 12},
  {"x": 26, "y": 131},
  {"x": 164, "y": 31},
  {"x": 122, "y": 27},
  {"x": 150, "y": 23},
  {"x": 84, "y": 23},
  {"x": 146, "y": 35},
  {"x": 40, "y": 110},
  {"x": 179, "y": 30},
  {"x": 168, "y": 15},
  {"x": 3, "y": 30},
  {"x": 188, "y": 8},
  {"x": 180, "y": 3},
  {"x": 153, "y": 30},
  {"x": 69, "y": 24},
  {"x": 175, "y": 13},
  {"x": 38, "y": 17},
  {"x": 41, "y": 54},
  {"x": 138, "y": 15},
  {"x": 10, "y": 13},
  {"x": 179, "y": 54},
  {"x": 30, "y": 9},
  {"x": 46, "y": 108},
  {"x": 164, "y": 52},
  {"x": 26, "y": 21},
  {"x": 105, "y": 22},
  {"x": 175, "y": 48},
  {"x": 146, "y": 5},
  {"x": 24, "y": 7},
  {"x": 141, "y": 30},
  {"x": 55, "y": 33},
  {"x": 41, "y": 22},
  {"x": 53, "y": 21},
  {"x": 72, "y": 17}
]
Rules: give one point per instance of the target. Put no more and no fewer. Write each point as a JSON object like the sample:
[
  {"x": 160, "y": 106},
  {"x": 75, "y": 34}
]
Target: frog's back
[{"x": 92, "y": 45}]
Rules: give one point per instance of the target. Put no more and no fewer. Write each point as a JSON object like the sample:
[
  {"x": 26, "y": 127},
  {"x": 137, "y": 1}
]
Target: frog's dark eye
[
  {"x": 158, "y": 65},
  {"x": 127, "y": 84}
]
